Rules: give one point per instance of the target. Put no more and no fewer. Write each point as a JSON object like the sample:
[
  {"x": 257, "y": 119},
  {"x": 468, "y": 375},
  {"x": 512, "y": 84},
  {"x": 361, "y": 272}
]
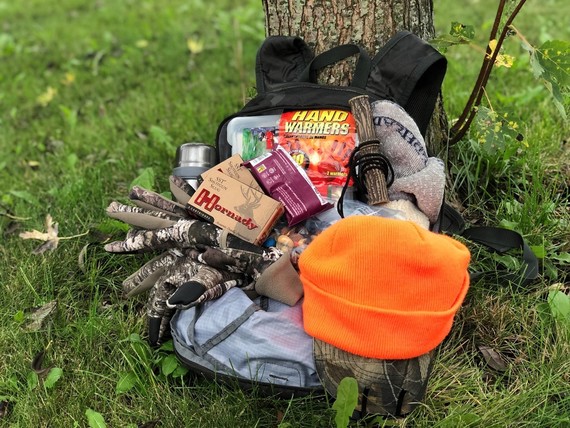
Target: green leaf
[
  {"x": 346, "y": 401},
  {"x": 179, "y": 371},
  {"x": 494, "y": 133},
  {"x": 160, "y": 136},
  {"x": 554, "y": 57},
  {"x": 8, "y": 45},
  {"x": 551, "y": 64},
  {"x": 26, "y": 196},
  {"x": 69, "y": 115},
  {"x": 126, "y": 382},
  {"x": 562, "y": 258},
  {"x": 550, "y": 269},
  {"x": 32, "y": 380},
  {"x": 19, "y": 316},
  {"x": 95, "y": 419},
  {"x": 539, "y": 251},
  {"x": 111, "y": 226},
  {"x": 167, "y": 346},
  {"x": 444, "y": 42},
  {"x": 462, "y": 31},
  {"x": 169, "y": 364},
  {"x": 507, "y": 224},
  {"x": 145, "y": 179},
  {"x": 511, "y": 262},
  {"x": 135, "y": 338},
  {"x": 53, "y": 376},
  {"x": 559, "y": 305},
  {"x": 141, "y": 349},
  {"x": 544, "y": 313},
  {"x": 71, "y": 161},
  {"x": 535, "y": 66}
]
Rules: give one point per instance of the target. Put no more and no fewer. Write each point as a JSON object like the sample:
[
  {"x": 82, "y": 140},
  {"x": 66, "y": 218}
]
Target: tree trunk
[{"x": 369, "y": 23}]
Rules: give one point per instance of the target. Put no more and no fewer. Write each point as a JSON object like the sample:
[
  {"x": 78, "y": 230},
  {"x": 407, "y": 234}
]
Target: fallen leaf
[
  {"x": 4, "y": 408},
  {"x": 141, "y": 44},
  {"x": 39, "y": 315},
  {"x": 68, "y": 79},
  {"x": 38, "y": 362},
  {"x": 493, "y": 358},
  {"x": 150, "y": 424},
  {"x": 195, "y": 46},
  {"x": 46, "y": 98},
  {"x": 81, "y": 258},
  {"x": 50, "y": 238},
  {"x": 33, "y": 164}
]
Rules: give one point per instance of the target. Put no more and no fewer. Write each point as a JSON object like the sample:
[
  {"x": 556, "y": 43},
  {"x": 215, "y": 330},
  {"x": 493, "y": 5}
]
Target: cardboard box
[
  {"x": 233, "y": 167},
  {"x": 232, "y": 205}
]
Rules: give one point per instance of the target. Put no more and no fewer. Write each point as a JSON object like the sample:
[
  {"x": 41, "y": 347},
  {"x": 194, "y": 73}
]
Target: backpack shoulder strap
[
  {"x": 337, "y": 54},
  {"x": 280, "y": 59},
  {"x": 496, "y": 239},
  {"x": 408, "y": 71},
  {"x": 502, "y": 240}
]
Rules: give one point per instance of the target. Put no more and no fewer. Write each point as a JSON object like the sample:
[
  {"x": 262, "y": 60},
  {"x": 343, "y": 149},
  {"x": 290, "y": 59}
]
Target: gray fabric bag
[{"x": 260, "y": 342}]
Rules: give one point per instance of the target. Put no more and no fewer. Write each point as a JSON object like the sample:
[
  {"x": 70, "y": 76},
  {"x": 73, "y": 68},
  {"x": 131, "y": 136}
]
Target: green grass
[{"x": 122, "y": 72}]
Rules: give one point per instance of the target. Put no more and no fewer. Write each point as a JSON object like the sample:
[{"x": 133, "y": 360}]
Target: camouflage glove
[
  {"x": 161, "y": 224},
  {"x": 191, "y": 271},
  {"x": 191, "y": 282},
  {"x": 180, "y": 279}
]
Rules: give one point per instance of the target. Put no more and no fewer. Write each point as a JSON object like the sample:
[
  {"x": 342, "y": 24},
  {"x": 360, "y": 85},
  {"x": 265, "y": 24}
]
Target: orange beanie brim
[{"x": 382, "y": 288}]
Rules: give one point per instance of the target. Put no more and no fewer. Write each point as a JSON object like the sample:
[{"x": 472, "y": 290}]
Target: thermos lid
[{"x": 198, "y": 155}]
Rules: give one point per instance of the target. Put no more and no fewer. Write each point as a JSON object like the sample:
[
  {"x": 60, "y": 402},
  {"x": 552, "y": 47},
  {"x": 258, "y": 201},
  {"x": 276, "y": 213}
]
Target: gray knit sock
[{"x": 417, "y": 177}]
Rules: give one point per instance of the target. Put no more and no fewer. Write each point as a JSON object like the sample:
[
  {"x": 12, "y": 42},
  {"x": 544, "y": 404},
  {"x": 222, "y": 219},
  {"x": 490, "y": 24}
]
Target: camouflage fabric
[
  {"x": 151, "y": 200},
  {"x": 236, "y": 260},
  {"x": 386, "y": 387},
  {"x": 182, "y": 234},
  {"x": 209, "y": 282},
  {"x": 180, "y": 189},
  {"x": 173, "y": 276},
  {"x": 199, "y": 262},
  {"x": 145, "y": 278},
  {"x": 185, "y": 271},
  {"x": 140, "y": 217}
]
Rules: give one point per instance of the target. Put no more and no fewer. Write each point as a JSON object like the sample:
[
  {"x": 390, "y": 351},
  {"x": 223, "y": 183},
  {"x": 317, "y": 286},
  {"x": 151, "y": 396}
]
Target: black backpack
[{"x": 407, "y": 70}]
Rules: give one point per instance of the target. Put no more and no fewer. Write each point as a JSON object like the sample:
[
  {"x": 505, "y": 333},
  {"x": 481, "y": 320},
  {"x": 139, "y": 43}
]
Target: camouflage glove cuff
[{"x": 182, "y": 285}]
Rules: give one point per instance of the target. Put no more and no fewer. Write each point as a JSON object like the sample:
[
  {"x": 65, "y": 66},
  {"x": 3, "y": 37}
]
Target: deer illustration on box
[{"x": 252, "y": 201}]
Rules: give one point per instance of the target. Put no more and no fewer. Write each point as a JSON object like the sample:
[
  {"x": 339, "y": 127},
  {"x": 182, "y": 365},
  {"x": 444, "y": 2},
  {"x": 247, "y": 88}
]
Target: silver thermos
[{"x": 192, "y": 159}]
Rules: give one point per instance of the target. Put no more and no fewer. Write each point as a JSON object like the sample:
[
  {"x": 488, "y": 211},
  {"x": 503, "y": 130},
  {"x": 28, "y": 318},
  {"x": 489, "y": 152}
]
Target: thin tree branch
[
  {"x": 460, "y": 128},
  {"x": 484, "y": 67}
]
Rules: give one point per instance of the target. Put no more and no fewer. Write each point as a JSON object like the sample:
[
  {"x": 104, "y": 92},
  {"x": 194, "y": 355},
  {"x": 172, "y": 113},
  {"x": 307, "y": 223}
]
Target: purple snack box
[{"x": 282, "y": 179}]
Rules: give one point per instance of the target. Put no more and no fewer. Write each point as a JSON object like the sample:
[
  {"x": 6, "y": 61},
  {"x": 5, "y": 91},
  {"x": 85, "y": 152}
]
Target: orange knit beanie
[{"x": 382, "y": 288}]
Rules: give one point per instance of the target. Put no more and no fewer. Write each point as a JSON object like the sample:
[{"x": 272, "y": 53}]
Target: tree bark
[{"x": 369, "y": 23}]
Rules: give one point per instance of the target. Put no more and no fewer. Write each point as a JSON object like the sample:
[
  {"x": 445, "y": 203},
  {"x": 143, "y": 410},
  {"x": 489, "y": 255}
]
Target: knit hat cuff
[{"x": 382, "y": 333}]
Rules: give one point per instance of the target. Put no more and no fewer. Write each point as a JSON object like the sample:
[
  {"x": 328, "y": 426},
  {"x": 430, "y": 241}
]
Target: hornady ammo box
[
  {"x": 232, "y": 205},
  {"x": 233, "y": 166}
]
